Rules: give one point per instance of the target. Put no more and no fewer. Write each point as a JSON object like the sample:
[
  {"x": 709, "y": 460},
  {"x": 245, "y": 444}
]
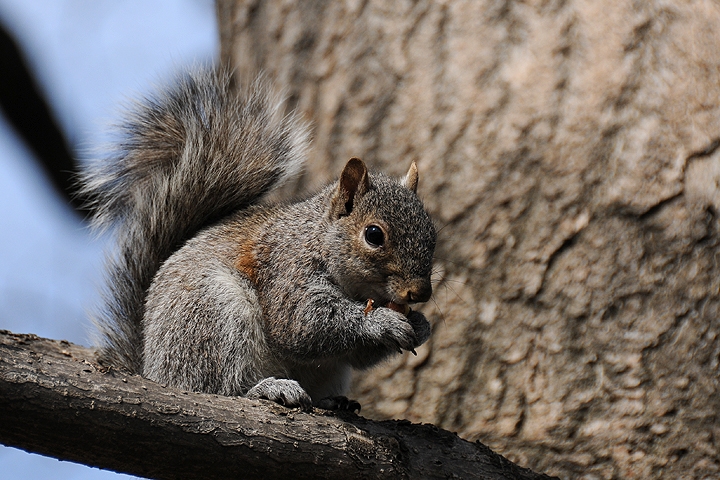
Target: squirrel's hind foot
[
  {"x": 340, "y": 402},
  {"x": 284, "y": 391}
]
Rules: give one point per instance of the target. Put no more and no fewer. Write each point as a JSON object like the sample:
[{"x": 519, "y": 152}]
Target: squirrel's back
[{"x": 189, "y": 156}]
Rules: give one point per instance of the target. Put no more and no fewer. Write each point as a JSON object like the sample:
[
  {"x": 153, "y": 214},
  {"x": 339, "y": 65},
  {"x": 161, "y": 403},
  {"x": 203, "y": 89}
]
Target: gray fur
[
  {"x": 284, "y": 391},
  {"x": 271, "y": 301}
]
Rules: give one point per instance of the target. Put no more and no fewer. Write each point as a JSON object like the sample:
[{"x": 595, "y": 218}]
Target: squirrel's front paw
[
  {"x": 393, "y": 329},
  {"x": 420, "y": 325},
  {"x": 283, "y": 391}
]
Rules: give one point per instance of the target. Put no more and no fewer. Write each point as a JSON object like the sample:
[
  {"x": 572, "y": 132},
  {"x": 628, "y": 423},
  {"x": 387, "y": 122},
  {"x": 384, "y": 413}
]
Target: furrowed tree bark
[
  {"x": 568, "y": 151},
  {"x": 55, "y": 400}
]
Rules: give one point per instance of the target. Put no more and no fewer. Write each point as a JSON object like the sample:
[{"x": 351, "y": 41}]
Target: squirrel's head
[{"x": 381, "y": 237}]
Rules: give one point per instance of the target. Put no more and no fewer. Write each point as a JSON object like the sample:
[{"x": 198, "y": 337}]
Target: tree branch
[{"x": 56, "y": 400}]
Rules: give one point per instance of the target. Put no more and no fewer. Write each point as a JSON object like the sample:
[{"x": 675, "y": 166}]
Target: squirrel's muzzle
[{"x": 418, "y": 291}]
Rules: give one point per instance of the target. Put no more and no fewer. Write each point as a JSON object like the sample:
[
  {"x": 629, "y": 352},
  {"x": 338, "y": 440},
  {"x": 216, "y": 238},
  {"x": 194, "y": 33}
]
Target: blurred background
[{"x": 87, "y": 59}]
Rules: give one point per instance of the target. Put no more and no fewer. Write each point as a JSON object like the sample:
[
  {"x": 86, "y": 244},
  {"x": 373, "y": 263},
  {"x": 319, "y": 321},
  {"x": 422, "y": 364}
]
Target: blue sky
[{"x": 90, "y": 58}]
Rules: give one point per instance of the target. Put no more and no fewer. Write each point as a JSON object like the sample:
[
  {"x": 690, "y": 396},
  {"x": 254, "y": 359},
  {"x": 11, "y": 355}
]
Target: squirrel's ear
[
  {"x": 354, "y": 182},
  {"x": 411, "y": 179}
]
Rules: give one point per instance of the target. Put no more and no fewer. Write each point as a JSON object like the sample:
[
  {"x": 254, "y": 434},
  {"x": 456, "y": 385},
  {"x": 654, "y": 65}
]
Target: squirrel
[{"x": 212, "y": 290}]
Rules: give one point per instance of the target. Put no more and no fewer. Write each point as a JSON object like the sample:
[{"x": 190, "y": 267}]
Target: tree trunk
[
  {"x": 568, "y": 151},
  {"x": 57, "y": 401}
]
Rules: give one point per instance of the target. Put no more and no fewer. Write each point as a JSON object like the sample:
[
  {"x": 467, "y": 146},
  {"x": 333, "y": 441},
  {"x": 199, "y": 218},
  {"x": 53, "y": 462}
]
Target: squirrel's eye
[{"x": 374, "y": 236}]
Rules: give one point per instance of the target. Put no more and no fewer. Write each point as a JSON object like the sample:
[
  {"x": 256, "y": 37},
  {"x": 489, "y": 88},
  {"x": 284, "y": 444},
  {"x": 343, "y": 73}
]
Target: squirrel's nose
[{"x": 420, "y": 291}]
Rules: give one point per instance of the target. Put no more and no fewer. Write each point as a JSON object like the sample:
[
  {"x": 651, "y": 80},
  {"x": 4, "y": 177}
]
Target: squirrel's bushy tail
[{"x": 189, "y": 156}]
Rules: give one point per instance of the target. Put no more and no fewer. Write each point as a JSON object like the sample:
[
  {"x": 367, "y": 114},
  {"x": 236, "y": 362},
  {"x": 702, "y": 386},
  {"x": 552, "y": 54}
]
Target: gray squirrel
[{"x": 211, "y": 290}]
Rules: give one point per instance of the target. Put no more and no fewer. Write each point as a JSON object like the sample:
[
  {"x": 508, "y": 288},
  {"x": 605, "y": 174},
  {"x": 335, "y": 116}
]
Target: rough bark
[
  {"x": 57, "y": 401},
  {"x": 568, "y": 150}
]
